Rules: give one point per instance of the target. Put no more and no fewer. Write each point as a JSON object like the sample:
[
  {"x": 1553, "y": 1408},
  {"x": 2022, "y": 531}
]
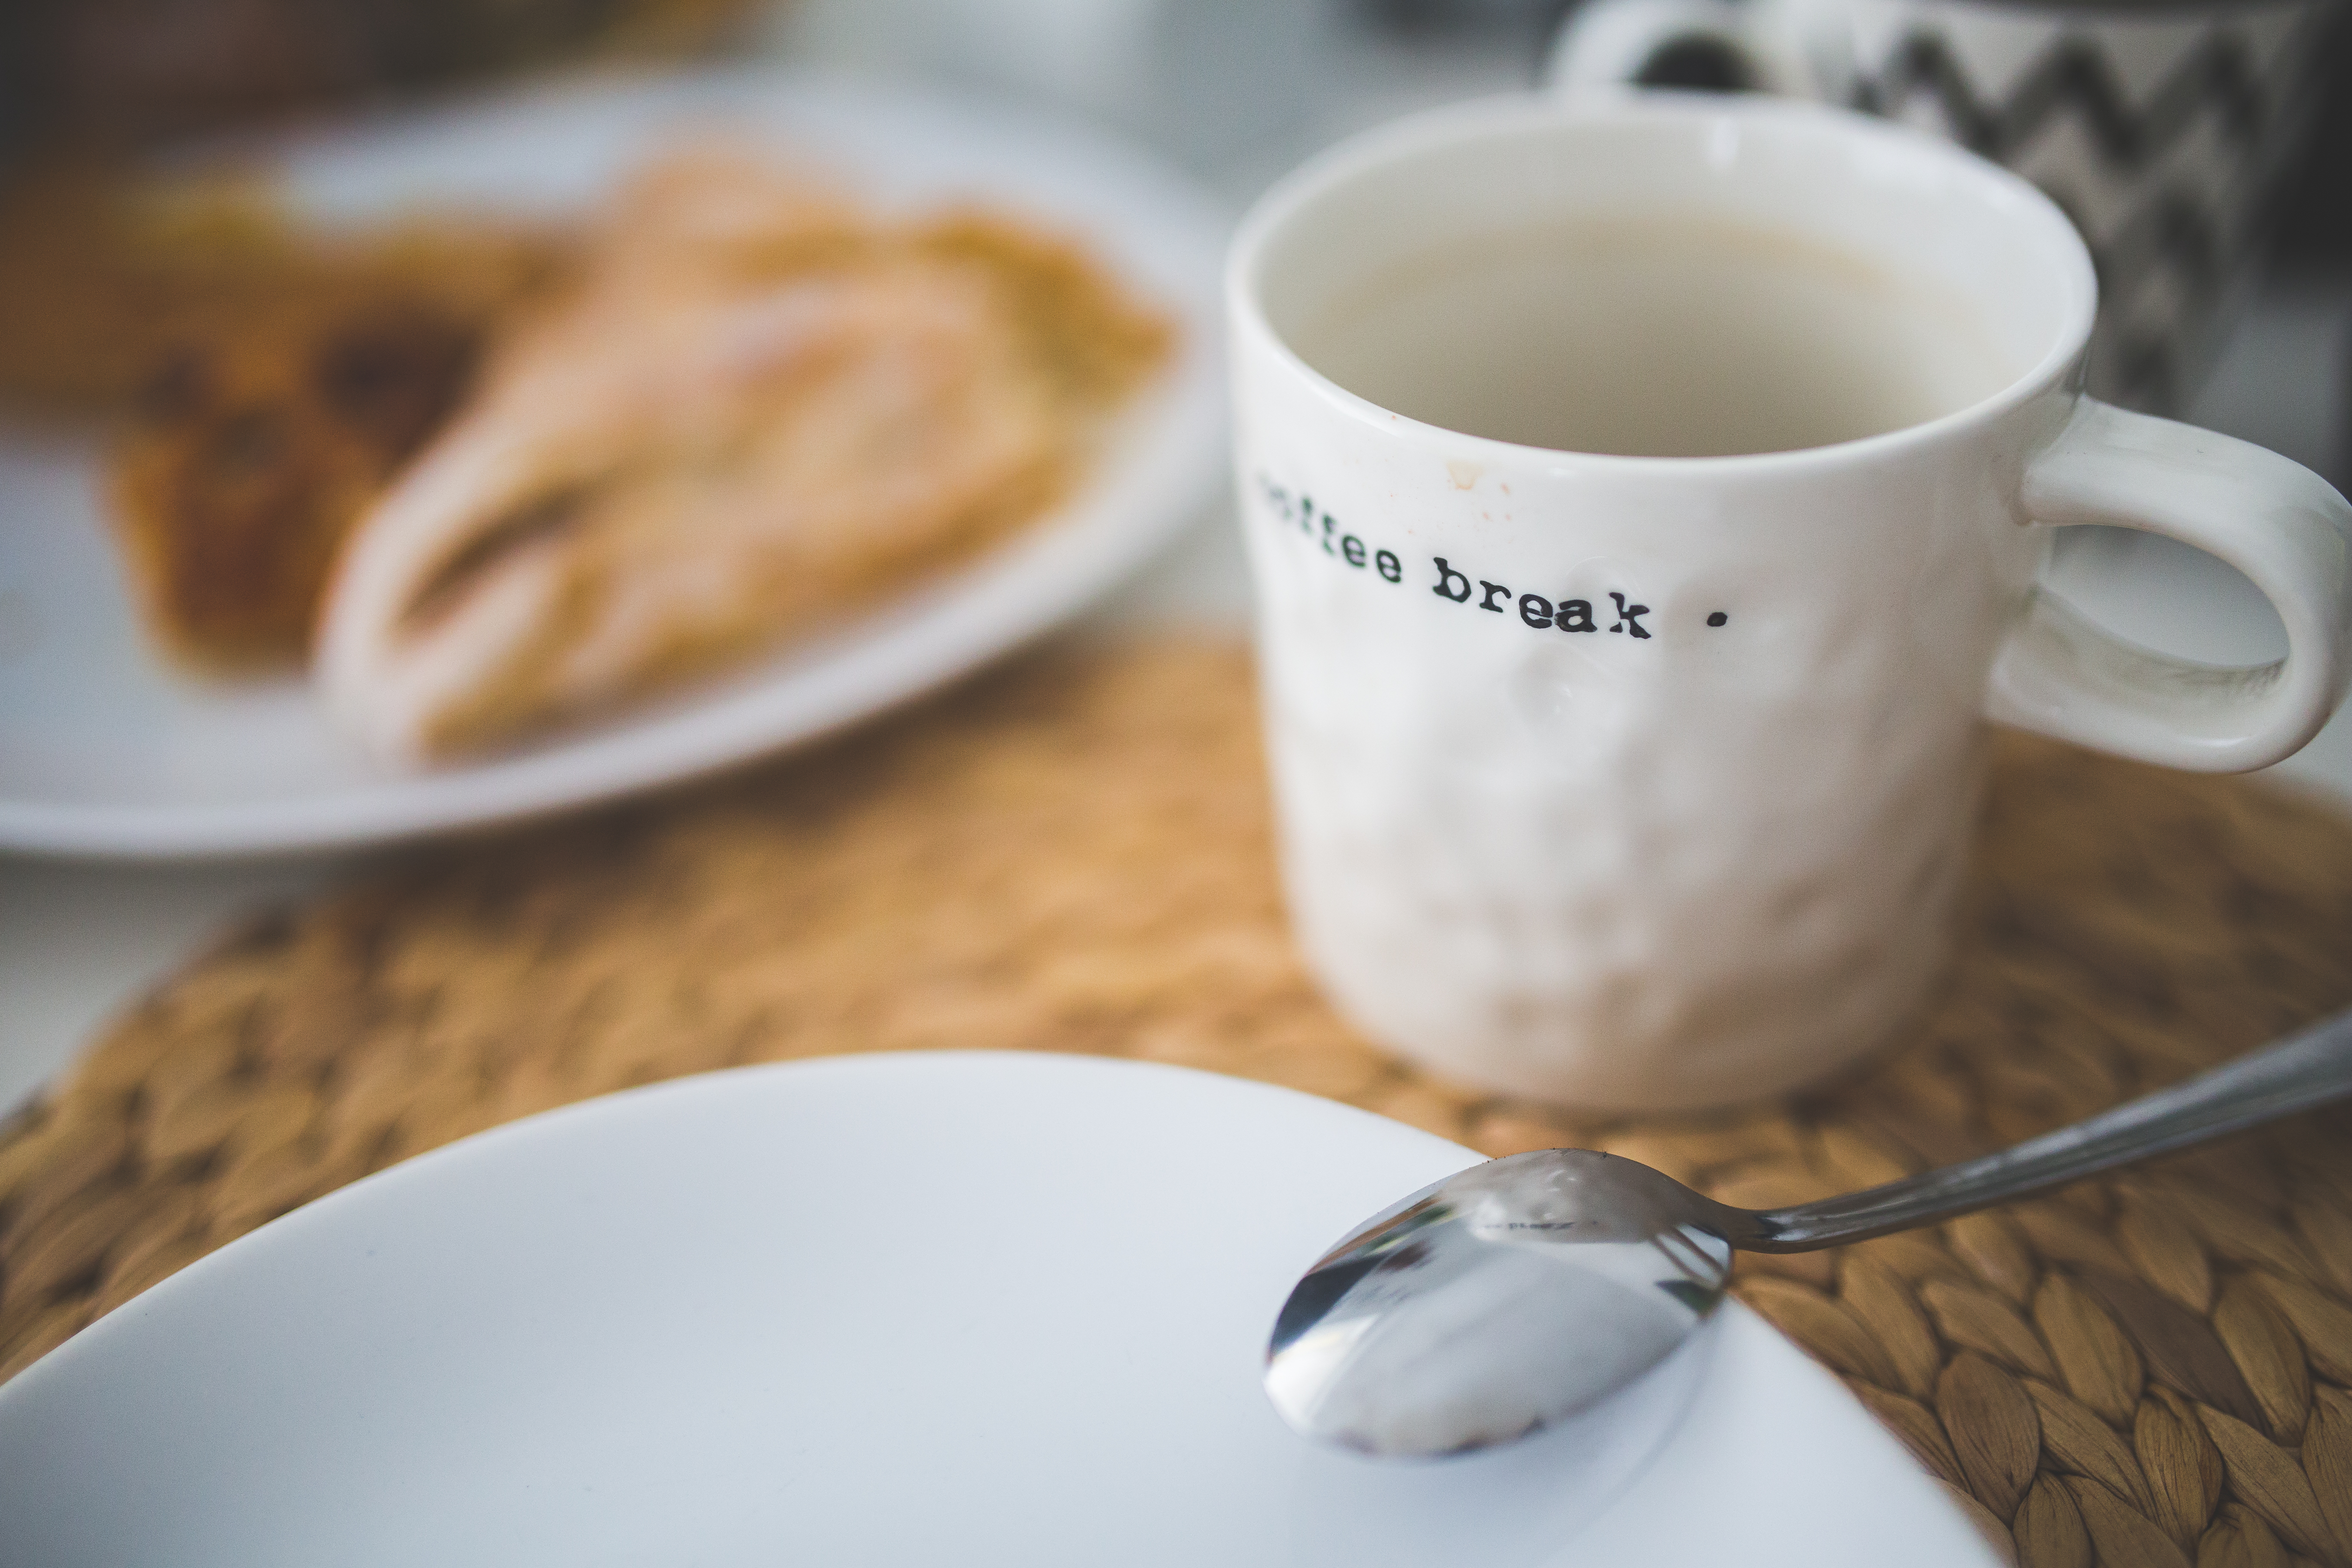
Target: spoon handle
[{"x": 2309, "y": 1067}]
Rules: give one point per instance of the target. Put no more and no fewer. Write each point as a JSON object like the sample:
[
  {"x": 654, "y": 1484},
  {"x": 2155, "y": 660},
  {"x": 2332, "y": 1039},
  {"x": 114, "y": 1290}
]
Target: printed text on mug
[{"x": 1455, "y": 584}]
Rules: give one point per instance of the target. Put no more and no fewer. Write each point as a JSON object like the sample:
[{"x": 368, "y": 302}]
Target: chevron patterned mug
[{"x": 2161, "y": 127}]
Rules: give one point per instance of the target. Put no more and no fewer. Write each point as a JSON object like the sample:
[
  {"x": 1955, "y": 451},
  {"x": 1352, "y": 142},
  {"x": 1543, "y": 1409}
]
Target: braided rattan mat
[{"x": 1072, "y": 855}]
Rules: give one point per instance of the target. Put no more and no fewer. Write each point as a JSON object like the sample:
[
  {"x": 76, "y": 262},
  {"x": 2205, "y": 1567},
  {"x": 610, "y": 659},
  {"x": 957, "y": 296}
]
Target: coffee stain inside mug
[{"x": 1676, "y": 336}]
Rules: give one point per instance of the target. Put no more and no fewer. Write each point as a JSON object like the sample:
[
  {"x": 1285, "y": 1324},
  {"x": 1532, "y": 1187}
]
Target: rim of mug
[{"x": 1470, "y": 122}]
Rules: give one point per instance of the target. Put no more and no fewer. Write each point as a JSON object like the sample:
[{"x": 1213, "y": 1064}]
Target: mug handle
[
  {"x": 2272, "y": 519},
  {"x": 1707, "y": 44}
]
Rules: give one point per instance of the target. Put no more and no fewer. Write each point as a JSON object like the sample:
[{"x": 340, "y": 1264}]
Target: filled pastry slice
[{"x": 759, "y": 413}]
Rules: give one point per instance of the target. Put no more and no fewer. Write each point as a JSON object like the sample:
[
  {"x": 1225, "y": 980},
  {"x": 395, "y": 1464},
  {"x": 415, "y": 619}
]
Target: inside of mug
[{"x": 1675, "y": 277}]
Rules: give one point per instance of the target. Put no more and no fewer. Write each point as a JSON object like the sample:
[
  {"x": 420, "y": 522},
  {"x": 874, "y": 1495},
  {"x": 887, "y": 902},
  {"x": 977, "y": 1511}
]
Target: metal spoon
[{"x": 1524, "y": 1289}]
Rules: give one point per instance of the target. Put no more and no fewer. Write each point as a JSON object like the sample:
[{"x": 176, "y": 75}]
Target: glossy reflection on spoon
[
  {"x": 1439, "y": 1325},
  {"x": 1520, "y": 1291}
]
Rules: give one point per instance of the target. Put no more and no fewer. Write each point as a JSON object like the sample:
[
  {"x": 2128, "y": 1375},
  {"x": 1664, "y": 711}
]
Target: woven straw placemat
[{"x": 1072, "y": 853}]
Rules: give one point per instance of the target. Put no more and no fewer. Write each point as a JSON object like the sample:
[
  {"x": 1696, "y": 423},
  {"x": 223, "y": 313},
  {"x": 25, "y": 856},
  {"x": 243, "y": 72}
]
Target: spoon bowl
[
  {"x": 1437, "y": 1326},
  {"x": 1517, "y": 1293}
]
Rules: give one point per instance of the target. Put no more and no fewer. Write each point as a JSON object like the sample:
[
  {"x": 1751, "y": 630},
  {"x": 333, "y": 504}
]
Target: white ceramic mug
[
  {"x": 1646, "y": 781},
  {"x": 2163, "y": 127}
]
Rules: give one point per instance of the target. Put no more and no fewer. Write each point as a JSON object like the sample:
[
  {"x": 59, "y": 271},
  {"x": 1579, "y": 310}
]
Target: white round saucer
[{"x": 889, "y": 1309}]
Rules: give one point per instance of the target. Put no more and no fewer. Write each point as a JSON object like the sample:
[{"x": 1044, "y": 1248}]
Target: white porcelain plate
[
  {"x": 106, "y": 751},
  {"x": 892, "y": 1310}
]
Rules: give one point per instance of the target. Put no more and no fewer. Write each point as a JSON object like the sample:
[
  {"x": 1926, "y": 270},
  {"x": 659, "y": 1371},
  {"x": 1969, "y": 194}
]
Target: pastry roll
[{"x": 759, "y": 412}]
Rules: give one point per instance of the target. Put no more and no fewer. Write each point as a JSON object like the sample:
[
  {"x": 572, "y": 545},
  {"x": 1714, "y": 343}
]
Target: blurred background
[{"x": 1235, "y": 90}]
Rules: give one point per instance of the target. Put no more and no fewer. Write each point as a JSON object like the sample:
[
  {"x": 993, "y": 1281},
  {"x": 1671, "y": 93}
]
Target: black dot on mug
[{"x": 1717, "y": 618}]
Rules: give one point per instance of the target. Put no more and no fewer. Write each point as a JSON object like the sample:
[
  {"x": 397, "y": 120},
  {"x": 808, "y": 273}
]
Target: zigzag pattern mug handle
[
  {"x": 1622, "y": 43},
  {"x": 2272, "y": 519}
]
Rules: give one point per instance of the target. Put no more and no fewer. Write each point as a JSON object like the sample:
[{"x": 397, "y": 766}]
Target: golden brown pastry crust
[
  {"x": 267, "y": 380},
  {"x": 254, "y": 447},
  {"x": 761, "y": 410}
]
